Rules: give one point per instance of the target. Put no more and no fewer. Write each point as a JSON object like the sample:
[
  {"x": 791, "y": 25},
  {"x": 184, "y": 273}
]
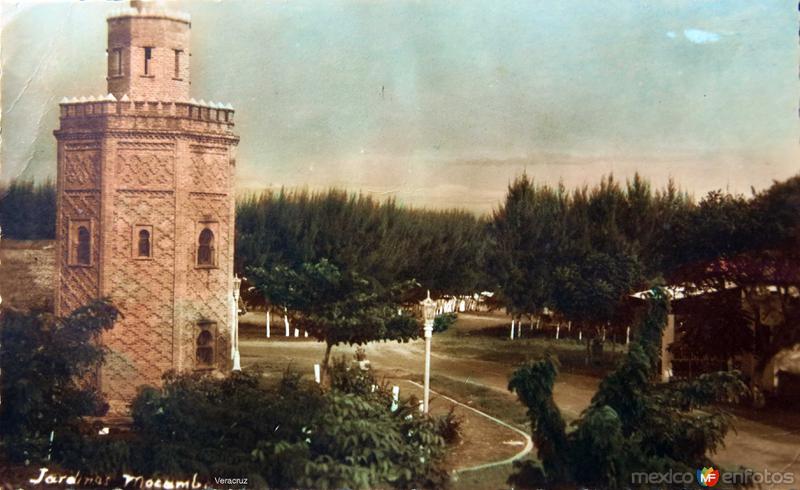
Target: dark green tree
[
  {"x": 598, "y": 266},
  {"x": 336, "y": 306},
  {"x": 526, "y": 242},
  {"x": 48, "y": 365},
  {"x": 28, "y": 210},
  {"x": 634, "y": 423}
]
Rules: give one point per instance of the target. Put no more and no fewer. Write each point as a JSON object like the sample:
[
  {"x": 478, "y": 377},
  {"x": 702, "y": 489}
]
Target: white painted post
[
  {"x": 667, "y": 338},
  {"x": 305, "y": 333},
  {"x": 512, "y": 329},
  {"x": 558, "y": 330},
  {"x": 395, "y": 397},
  {"x": 427, "y": 386},
  {"x": 269, "y": 314},
  {"x": 569, "y": 326},
  {"x": 237, "y": 361},
  {"x": 628, "y": 336},
  {"x": 286, "y": 321},
  {"x": 235, "y": 325},
  {"x": 297, "y": 332},
  {"x": 50, "y": 448},
  {"x": 316, "y": 373},
  {"x": 580, "y": 335},
  {"x": 538, "y": 323}
]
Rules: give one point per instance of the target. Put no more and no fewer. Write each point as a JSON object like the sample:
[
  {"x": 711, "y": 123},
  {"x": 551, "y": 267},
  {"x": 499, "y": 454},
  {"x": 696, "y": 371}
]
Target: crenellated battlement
[{"x": 107, "y": 112}]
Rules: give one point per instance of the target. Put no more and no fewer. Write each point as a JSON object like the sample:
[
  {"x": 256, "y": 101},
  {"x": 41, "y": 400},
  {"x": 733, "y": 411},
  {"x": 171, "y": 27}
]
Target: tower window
[
  {"x": 144, "y": 243},
  {"x": 116, "y": 62},
  {"x": 148, "y": 56},
  {"x": 79, "y": 239},
  {"x": 83, "y": 252},
  {"x": 177, "y": 63},
  {"x": 205, "y": 346},
  {"x": 205, "y": 248}
]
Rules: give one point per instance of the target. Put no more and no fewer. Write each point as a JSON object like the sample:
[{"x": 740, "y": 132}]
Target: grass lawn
[
  {"x": 27, "y": 273},
  {"x": 486, "y": 337}
]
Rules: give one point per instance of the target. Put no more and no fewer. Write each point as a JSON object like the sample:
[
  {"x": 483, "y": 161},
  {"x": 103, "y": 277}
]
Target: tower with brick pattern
[{"x": 146, "y": 207}]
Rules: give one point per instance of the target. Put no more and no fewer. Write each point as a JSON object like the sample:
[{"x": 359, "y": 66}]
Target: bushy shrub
[
  {"x": 444, "y": 321},
  {"x": 450, "y": 427},
  {"x": 48, "y": 365},
  {"x": 292, "y": 434},
  {"x": 350, "y": 378}
]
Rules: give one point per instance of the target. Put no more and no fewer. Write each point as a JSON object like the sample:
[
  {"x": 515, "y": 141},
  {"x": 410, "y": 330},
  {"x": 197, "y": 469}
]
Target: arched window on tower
[
  {"x": 83, "y": 251},
  {"x": 144, "y": 243},
  {"x": 142, "y": 247},
  {"x": 205, "y": 248}
]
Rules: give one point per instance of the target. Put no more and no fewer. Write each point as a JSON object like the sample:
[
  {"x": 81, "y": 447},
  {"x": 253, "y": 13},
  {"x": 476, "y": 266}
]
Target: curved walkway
[{"x": 528, "y": 442}]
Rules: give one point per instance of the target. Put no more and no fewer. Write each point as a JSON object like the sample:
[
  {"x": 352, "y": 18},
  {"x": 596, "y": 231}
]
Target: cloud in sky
[
  {"x": 699, "y": 36},
  {"x": 671, "y": 34}
]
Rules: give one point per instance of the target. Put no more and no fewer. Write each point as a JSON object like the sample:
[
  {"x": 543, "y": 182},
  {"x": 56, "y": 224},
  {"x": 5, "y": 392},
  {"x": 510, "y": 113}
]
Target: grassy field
[
  {"x": 473, "y": 339},
  {"x": 27, "y": 273}
]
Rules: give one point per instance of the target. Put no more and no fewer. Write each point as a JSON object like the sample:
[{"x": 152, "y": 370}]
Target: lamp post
[
  {"x": 237, "y": 283},
  {"x": 428, "y": 311}
]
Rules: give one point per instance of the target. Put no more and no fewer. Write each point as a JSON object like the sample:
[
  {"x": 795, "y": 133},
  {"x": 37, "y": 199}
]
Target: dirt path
[
  {"x": 405, "y": 360},
  {"x": 754, "y": 444}
]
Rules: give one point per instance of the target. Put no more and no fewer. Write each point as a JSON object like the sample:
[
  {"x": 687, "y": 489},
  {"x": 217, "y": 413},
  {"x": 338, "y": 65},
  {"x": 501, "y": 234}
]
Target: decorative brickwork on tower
[{"x": 146, "y": 207}]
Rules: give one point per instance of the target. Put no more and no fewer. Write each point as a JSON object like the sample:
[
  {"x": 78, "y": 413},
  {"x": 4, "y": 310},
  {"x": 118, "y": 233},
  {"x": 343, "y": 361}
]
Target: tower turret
[
  {"x": 148, "y": 52},
  {"x": 146, "y": 207}
]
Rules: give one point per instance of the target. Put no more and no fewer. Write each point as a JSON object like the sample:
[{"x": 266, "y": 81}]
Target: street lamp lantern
[
  {"x": 428, "y": 310},
  {"x": 428, "y": 313}
]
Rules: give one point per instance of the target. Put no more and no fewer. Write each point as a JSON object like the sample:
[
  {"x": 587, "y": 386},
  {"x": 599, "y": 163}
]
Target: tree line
[
  {"x": 28, "y": 210},
  {"x": 579, "y": 252},
  {"x": 441, "y": 250},
  {"x": 582, "y": 253}
]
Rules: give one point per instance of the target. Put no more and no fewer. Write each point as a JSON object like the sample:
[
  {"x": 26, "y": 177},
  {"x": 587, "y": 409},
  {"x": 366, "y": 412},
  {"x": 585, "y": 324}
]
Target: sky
[{"x": 442, "y": 103}]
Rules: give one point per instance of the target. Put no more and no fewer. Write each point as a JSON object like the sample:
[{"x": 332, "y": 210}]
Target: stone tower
[{"x": 146, "y": 207}]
